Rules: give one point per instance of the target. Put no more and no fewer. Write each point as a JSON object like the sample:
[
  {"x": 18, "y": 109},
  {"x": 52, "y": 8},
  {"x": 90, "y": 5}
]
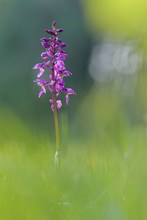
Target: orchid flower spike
[{"x": 53, "y": 58}]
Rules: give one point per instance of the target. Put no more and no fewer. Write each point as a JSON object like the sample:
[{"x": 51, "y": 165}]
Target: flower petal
[
  {"x": 67, "y": 99},
  {"x": 45, "y": 44},
  {"x": 63, "y": 45},
  {"x": 45, "y": 39},
  {"x": 54, "y": 24},
  {"x": 44, "y": 55},
  {"x": 59, "y": 104},
  {"x": 40, "y": 73},
  {"x": 43, "y": 90},
  {"x": 37, "y": 66},
  {"x": 59, "y": 30},
  {"x": 59, "y": 66},
  {"x": 50, "y": 32},
  {"x": 70, "y": 91}
]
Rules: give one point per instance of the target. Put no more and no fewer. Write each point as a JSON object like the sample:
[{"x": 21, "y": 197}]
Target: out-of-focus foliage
[
  {"x": 119, "y": 60},
  {"x": 119, "y": 18},
  {"x": 100, "y": 178}
]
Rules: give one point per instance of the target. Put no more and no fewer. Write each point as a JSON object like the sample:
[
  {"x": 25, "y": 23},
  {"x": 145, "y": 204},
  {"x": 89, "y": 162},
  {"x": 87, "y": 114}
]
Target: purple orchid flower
[
  {"x": 58, "y": 103},
  {"x": 68, "y": 91},
  {"x": 55, "y": 56},
  {"x": 42, "y": 83}
]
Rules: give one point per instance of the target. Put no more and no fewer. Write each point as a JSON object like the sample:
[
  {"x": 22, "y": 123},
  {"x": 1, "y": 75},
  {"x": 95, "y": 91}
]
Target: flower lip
[
  {"x": 40, "y": 73},
  {"x": 43, "y": 90},
  {"x": 67, "y": 99},
  {"x": 58, "y": 102}
]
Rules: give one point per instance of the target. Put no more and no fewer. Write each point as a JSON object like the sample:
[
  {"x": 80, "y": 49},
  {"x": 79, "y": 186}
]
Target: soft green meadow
[{"x": 98, "y": 179}]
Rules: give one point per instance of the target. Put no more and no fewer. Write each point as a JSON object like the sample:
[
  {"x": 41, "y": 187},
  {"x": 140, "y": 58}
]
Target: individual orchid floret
[
  {"x": 58, "y": 103},
  {"x": 68, "y": 91},
  {"x": 41, "y": 67},
  {"x": 42, "y": 83},
  {"x": 54, "y": 57}
]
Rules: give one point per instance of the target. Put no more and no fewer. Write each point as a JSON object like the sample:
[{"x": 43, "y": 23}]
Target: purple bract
[{"x": 53, "y": 59}]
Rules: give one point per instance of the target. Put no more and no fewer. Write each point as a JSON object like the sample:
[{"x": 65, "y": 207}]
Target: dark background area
[{"x": 22, "y": 25}]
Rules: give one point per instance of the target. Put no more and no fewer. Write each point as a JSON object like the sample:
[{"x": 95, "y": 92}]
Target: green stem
[
  {"x": 56, "y": 122},
  {"x": 57, "y": 134}
]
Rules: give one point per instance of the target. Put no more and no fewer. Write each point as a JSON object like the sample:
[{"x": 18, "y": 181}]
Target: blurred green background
[{"x": 104, "y": 129}]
